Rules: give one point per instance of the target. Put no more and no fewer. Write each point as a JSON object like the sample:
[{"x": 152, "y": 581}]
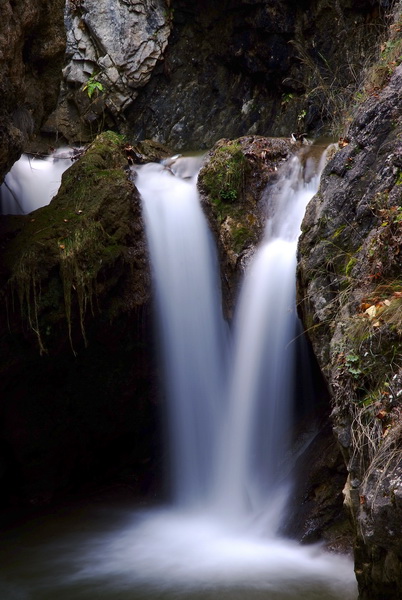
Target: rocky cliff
[
  {"x": 32, "y": 45},
  {"x": 189, "y": 73},
  {"x": 351, "y": 300}
]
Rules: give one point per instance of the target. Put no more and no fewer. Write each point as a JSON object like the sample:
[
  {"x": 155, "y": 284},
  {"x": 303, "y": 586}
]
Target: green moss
[
  {"x": 349, "y": 266},
  {"x": 338, "y": 232},
  {"x": 61, "y": 249},
  {"x": 241, "y": 236},
  {"x": 225, "y": 175}
]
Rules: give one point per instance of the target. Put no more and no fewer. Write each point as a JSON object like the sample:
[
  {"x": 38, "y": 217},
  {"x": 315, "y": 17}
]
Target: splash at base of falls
[
  {"x": 193, "y": 552},
  {"x": 227, "y": 547},
  {"x": 107, "y": 552}
]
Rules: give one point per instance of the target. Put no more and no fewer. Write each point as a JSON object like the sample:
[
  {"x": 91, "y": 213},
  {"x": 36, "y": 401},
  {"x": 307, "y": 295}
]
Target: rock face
[
  {"x": 77, "y": 370},
  {"x": 189, "y": 73},
  {"x": 227, "y": 70},
  {"x": 32, "y": 45},
  {"x": 232, "y": 183},
  {"x": 351, "y": 301},
  {"x": 112, "y": 50}
]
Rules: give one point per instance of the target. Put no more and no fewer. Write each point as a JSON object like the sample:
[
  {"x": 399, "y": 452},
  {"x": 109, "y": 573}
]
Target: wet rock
[
  {"x": 350, "y": 299},
  {"x": 78, "y": 399},
  {"x": 32, "y": 44},
  {"x": 232, "y": 183},
  {"x": 315, "y": 507}
]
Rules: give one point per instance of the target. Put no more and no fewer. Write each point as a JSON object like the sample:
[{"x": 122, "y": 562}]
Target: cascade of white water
[
  {"x": 205, "y": 540},
  {"x": 256, "y": 442},
  {"x": 32, "y": 182},
  {"x": 204, "y": 544},
  {"x": 192, "y": 330},
  {"x": 227, "y": 451}
]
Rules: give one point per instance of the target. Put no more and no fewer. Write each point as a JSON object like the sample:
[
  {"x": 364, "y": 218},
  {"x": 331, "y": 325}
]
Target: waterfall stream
[
  {"x": 255, "y": 458},
  {"x": 32, "y": 182},
  {"x": 191, "y": 327},
  {"x": 229, "y": 413}
]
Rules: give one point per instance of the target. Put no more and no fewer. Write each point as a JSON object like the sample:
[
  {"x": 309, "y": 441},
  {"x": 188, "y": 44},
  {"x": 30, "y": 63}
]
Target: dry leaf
[{"x": 371, "y": 311}]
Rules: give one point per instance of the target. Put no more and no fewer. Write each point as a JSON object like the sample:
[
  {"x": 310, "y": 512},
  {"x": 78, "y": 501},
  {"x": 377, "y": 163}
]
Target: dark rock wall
[
  {"x": 240, "y": 68},
  {"x": 32, "y": 45},
  {"x": 189, "y": 73},
  {"x": 78, "y": 400},
  {"x": 351, "y": 301}
]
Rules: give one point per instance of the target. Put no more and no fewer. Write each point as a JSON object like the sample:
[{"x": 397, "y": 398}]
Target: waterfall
[
  {"x": 192, "y": 330},
  {"x": 229, "y": 407},
  {"x": 255, "y": 456},
  {"x": 32, "y": 182},
  {"x": 228, "y": 445}
]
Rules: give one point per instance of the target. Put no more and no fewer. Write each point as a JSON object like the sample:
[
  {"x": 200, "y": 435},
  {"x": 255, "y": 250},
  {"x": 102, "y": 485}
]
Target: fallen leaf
[{"x": 371, "y": 311}]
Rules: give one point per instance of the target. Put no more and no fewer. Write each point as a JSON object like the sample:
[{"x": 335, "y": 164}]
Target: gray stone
[{"x": 119, "y": 43}]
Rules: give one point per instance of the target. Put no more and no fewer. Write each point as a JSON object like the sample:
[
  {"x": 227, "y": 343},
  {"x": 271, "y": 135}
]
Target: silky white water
[
  {"x": 229, "y": 414},
  {"x": 254, "y": 458},
  {"x": 192, "y": 331},
  {"x": 228, "y": 444},
  {"x": 32, "y": 182}
]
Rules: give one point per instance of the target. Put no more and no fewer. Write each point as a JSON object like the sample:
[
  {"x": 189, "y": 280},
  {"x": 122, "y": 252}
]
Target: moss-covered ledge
[
  {"x": 77, "y": 374},
  {"x": 232, "y": 184},
  {"x": 62, "y": 260}
]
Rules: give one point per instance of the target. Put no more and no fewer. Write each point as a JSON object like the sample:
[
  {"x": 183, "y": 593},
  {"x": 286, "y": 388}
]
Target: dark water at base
[{"x": 95, "y": 552}]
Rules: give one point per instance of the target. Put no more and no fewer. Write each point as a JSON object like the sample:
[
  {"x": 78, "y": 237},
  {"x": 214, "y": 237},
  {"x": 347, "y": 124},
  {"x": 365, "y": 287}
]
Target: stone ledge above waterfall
[
  {"x": 232, "y": 182},
  {"x": 117, "y": 45}
]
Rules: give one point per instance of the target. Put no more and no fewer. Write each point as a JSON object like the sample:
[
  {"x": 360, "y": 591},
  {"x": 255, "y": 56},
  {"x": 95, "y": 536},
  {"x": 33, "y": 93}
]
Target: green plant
[
  {"x": 92, "y": 86},
  {"x": 352, "y": 363},
  {"x": 287, "y": 98},
  {"x": 224, "y": 176},
  {"x": 301, "y": 115},
  {"x": 349, "y": 266}
]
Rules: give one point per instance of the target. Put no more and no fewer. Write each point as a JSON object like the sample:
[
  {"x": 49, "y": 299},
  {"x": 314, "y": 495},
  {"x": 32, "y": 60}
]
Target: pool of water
[{"x": 114, "y": 552}]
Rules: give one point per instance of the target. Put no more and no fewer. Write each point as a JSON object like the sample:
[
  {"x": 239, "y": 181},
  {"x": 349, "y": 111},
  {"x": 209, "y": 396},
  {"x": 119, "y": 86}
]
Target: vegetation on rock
[
  {"x": 70, "y": 252},
  {"x": 75, "y": 273},
  {"x": 350, "y": 297},
  {"x": 231, "y": 182}
]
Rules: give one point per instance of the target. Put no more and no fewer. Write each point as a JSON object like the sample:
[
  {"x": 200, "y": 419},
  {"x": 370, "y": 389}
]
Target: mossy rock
[
  {"x": 232, "y": 182},
  {"x": 63, "y": 259},
  {"x": 77, "y": 393}
]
